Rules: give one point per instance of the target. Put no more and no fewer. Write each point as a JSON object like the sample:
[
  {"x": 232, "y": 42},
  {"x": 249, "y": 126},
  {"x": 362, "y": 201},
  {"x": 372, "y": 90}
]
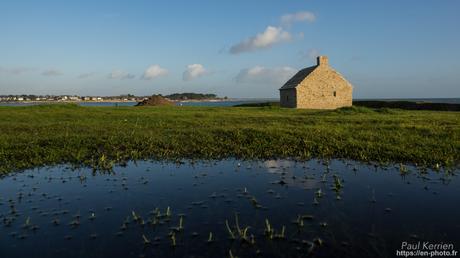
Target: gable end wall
[{"x": 317, "y": 90}]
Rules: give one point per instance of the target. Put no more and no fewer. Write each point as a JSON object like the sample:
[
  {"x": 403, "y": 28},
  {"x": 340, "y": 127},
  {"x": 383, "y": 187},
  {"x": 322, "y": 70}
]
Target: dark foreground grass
[{"x": 103, "y": 136}]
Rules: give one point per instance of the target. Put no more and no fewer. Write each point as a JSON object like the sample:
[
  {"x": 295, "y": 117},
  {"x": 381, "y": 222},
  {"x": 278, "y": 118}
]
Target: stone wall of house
[
  {"x": 324, "y": 88},
  {"x": 288, "y": 98}
]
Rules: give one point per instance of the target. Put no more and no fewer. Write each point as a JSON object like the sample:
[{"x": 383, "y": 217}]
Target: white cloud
[
  {"x": 120, "y": 75},
  {"x": 288, "y": 19},
  {"x": 268, "y": 38},
  {"x": 260, "y": 74},
  {"x": 86, "y": 75},
  {"x": 153, "y": 72},
  {"x": 51, "y": 72},
  {"x": 194, "y": 71}
]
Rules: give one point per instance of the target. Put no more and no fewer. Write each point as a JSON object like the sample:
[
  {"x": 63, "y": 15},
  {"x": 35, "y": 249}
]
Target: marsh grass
[{"x": 101, "y": 137}]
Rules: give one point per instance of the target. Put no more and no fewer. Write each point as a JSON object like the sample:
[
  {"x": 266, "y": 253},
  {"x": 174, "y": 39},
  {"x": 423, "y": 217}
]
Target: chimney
[{"x": 322, "y": 60}]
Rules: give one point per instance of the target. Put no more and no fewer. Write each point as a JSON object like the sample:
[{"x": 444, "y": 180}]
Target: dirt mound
[{"x": 156, "y": 100}]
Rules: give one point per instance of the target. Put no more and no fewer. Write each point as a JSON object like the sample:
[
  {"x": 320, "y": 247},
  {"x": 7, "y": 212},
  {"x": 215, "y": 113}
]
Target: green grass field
[{"x": 103, "y": 136}]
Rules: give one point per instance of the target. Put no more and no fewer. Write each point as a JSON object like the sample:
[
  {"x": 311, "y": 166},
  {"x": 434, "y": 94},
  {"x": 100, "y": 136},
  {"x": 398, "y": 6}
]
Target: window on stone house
[{"x": 335, "y": 93}]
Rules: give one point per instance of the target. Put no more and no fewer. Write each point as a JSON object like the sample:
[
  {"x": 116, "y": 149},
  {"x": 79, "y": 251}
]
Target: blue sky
[{"x": 386, "y": 49}]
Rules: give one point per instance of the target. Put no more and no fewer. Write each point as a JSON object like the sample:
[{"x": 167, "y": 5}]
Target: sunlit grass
[{"x": 103, "y": 136}]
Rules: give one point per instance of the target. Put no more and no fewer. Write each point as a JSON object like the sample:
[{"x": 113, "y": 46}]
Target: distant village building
[{"x": 317, "y": 87}]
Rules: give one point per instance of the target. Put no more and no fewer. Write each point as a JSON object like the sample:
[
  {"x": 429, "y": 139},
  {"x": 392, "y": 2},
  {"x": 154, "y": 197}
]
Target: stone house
[{"x": 317, "y": 87}]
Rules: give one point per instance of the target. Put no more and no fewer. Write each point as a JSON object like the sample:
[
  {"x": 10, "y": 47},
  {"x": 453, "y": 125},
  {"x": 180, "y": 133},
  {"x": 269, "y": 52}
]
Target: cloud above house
[
  {"x": 194, "y": 71},
  {"x": 304, "y": 16},
  {"x": 52, "y": 72},
  {"x": 118, "y": 74},
  {"x": 273, "y": 34},
  {"x": 260, "y": 74},
  {"x": 270, "y": 37},
  {"x": 153, "y": 72}
]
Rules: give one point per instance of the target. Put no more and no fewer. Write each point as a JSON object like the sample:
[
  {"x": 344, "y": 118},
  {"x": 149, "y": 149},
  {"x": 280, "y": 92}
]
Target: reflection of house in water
[
  {"x": 286, "y": 168},
  {"x": 276, "y": 166}
]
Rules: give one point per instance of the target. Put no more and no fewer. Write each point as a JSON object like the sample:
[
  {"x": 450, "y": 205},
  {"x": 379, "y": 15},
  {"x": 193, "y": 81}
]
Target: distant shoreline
[
  {"x": 111, "y": 101},
  {"x": 27, "y": 103},
  {"x": 415, "y": 100}
]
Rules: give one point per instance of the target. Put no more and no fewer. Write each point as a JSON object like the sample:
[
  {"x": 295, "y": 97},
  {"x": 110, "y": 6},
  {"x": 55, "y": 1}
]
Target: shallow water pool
[{"x": 277, "y": 208}]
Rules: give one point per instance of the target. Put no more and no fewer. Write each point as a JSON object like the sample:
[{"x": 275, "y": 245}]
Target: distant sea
[{"x": 227, "y": 103}]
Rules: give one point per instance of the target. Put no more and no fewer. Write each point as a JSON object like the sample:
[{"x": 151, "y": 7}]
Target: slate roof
[{"x": 298, "y": 77}]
